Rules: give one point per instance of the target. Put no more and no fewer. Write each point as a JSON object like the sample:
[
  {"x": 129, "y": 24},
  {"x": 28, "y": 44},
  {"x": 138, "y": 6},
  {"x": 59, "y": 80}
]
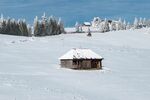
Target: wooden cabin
[{"x": 81, "y": 59}]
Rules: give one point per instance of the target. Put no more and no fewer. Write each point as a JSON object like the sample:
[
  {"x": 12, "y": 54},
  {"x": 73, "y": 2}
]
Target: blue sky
[{"x": 76, "y": 10}]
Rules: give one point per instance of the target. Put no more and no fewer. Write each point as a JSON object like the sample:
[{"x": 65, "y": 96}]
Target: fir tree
[
  {"x": 48, "y": 26},
  {"x": 136, "y": 23}
]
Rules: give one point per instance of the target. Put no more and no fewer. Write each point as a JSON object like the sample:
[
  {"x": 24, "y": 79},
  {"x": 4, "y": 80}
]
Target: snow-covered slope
[{"x": 30, "y": 70}]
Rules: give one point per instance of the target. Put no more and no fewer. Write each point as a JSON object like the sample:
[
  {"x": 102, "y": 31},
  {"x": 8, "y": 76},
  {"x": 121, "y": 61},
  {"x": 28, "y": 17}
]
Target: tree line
[
  {"x": 44, "y": 26},
  {"x": 13, "y": 27},
  {"x": 105, "y": 25},
  {"x": 48, "y": 26}
]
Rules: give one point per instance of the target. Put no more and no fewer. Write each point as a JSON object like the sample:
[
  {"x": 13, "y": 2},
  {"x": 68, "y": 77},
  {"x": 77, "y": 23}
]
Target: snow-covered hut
[
  {"x": 87, "y": 24},
  {"x": 81, "y": 59}
]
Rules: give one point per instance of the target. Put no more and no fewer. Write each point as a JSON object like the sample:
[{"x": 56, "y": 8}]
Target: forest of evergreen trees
[
  {"x": 48, "y": 26},
  {"x": 13, "y": 27},
  {"x": 43, "y": 27},
  {"x": 105, "y": 25}
]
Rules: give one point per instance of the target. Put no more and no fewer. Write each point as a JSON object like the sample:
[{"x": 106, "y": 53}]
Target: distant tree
[
  {"x": 110, "y": 27},
  {"x": 13, "y": 27},
  {"x": 136, "y": 23},
  {"x": 104, "y": 26},
  {"x": 96, "y": 22},
  {"x": 140, "y": 21},
  {"x": 124, "y": 25},
  {"x": 144, "y": 21},
  {"x": 119, "y": 25},
  {"x": 61, "y": 26},
  {"x": 2, "y": 18},
  {"x": 36, "y": 26},
  {"x": 147, "y": 22},
  {"x": 48, "y": 26},
  {"x": 29, "y": 30},
  {"x": 77, "y": 26},
  {"x": 113, "y": 25}
]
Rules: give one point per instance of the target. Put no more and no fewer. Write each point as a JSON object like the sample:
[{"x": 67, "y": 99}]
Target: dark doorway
[{"x": 94, "y": 64}]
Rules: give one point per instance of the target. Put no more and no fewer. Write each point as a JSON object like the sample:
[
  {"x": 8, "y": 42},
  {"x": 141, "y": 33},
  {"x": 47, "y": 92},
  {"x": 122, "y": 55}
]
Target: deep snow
[{"x": 30, "y": 70}]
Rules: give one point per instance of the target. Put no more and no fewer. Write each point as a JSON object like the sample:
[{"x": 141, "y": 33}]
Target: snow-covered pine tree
[
  {"x": 80, "y": 29},
  {"x": 48, "y": 26},
  {"x": 21, "y": 27},
  {"x": 3, "y": 27},
  {"x": 110, "y": 26},
  {"x": 104, "y": 26},
  {"x": 124, "y": 25},
  {"x": 128, "y": 26},
  {"x": 136, "y": 23},
  {"x": 77, "y": 27},
  {"x": 101, "y": 27},
  {"x": 147, "y": 22},
  {"x": 25, "y": 29},
  {"x": 44, "y": 25},
  {"x": 29, "y": 30},
  {"x": 120, "y": 24},
  {"x": 144, "y": 21},
  {"x": 113, "y": 25},
  {"x": 96, "y": 22},
  {"x": 2, "y": 18},
  {"x": 140, "y": 21},
  {"x": 54, "y": 27},
  {"x": 13, "y": 27},
  {"x": 36, "y": 25},
  {"x": 61, "y": 26},
  {"x": 117, "y": 26}
]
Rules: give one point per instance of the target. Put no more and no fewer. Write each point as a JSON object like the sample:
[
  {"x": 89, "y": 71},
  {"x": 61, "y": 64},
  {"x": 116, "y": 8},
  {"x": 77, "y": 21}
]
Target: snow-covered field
[{"x": 30, "y": 70}]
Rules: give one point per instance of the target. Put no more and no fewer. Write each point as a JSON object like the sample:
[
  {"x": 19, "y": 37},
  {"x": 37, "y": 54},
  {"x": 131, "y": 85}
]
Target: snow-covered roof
[
  {"x": 80, "y": 54},
  {"x": 87, "y": 23}
]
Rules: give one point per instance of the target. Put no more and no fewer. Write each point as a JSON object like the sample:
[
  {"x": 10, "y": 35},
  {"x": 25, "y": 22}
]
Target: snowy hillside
[{"x": 30, "y": 70}]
